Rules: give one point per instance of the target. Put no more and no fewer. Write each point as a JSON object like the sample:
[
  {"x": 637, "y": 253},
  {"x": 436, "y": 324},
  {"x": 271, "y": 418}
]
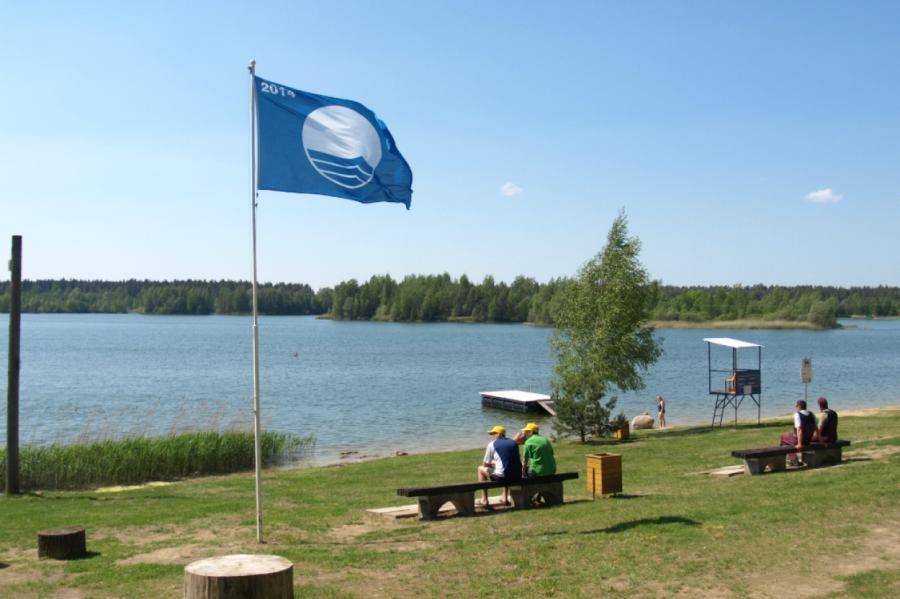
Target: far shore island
[{"x": 744, "y": 323}]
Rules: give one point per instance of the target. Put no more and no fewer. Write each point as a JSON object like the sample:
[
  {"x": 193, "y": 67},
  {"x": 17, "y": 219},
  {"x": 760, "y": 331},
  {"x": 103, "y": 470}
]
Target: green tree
[
  {"x": 601, "y": 338},
  {"x": 824, "y": 313}
]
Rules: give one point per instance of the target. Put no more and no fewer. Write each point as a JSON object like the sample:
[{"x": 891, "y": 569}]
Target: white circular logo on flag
[{"x": 341, "y": 145}]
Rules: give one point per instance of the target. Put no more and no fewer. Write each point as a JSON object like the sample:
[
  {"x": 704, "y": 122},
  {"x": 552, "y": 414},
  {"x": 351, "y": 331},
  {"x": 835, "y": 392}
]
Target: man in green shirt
[{"x": 538, "y": 459}]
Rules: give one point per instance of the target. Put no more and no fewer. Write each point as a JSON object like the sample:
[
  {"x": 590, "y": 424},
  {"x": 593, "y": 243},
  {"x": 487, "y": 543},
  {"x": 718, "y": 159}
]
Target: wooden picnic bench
[
  {"x": 814, "y": 455},
  {"x": 523, "y": 494}
]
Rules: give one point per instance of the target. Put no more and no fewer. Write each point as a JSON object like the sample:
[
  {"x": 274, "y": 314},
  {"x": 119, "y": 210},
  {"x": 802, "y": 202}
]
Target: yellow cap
[
  {"x": 499, "y": 430},
  {"x": 531, "y": 427}
]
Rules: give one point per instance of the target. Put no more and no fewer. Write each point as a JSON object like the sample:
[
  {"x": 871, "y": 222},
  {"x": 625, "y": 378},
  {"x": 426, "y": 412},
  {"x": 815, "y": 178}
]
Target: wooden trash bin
[
  {"x": 604, "y": 473},
  {"x": 622, "y": 433}
]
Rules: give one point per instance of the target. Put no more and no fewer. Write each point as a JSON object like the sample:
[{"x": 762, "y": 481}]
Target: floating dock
[{"x": 518, "y": 401}]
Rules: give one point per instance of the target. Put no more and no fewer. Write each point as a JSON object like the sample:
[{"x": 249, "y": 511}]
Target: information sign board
[{"x": 806, "y": 371}]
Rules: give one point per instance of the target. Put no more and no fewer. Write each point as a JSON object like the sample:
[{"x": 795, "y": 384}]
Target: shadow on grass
[
  {"x": 660, "y": 521},
  {"x": 610, "y": 497},
  {"x": 608, "y": 442},
  {"x": 3, "y": 566},
  {"x": 107, "y": 497},
  {"x": 571, "y": 502},
  {"x": 88, "y": 555},
  {"x": 496, "y": 510},
  {"x": 40, "y": 494},
  {"x": 806, "y": 468},
  {"x": 501, "y": 510}
]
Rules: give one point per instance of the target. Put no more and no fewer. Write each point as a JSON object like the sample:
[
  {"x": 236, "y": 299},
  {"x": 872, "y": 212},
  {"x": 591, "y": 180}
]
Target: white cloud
[
  {"x": 510, "y": 189},
  {"x": 824, "y": 196}
]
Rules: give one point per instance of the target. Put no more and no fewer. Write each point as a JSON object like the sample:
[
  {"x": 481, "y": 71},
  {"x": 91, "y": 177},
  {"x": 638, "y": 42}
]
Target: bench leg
[
  {"x": 518, "y": 498},
  {"x": 822, "y": 457},
  {"x": 430, "y": 506},
  {"x": 754, "y": 466},
  {"x": 751, "y": 466},
  {"x": 776, "y": 463},
  {"x": 523, "y": 496},
  {"x": 811, "y": 459},
  {"x": 464, "y": 504}
]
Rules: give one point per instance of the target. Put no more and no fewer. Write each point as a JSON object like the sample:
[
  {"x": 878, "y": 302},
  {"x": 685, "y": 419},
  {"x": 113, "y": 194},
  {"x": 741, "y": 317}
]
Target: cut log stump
[
  {"x": 239, "y": 577},
  {"x": 62, "y": 543}
]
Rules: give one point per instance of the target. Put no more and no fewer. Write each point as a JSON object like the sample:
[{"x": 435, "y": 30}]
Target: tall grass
[{"x": 138, "y": 459}]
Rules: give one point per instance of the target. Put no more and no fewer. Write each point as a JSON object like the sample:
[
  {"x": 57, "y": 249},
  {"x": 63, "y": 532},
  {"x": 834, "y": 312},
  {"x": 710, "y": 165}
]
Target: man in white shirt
[
  {"x": 804, "y": 427},
  {"x": 501, "y": 463}
]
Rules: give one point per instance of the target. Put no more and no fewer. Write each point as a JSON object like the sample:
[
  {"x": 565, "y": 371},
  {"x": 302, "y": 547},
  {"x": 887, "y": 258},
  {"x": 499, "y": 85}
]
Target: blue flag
[{"x": 315, "y": 144}]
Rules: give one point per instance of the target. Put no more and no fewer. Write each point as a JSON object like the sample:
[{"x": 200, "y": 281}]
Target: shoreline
[
  {"x": 743, "y": 323},
  {"x": 746, "y": 323},
  {"x": 363, "y": 456}
]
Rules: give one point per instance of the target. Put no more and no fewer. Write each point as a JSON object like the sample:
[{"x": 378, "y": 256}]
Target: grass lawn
[{"x": 829, "y": 532}]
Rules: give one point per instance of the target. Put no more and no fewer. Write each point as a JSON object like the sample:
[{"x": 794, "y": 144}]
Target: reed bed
[{"x": 138, "y": 459}]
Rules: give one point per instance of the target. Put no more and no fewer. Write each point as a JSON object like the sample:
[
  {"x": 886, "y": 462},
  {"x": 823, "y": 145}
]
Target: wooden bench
[
  {"x": 524, "y": 494},
  {"x": 816, "y": 454}
]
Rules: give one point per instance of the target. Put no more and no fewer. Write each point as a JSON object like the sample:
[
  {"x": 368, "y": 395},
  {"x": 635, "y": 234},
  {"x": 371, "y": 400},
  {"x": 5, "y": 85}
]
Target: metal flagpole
[{"x": 257, "y": 433}]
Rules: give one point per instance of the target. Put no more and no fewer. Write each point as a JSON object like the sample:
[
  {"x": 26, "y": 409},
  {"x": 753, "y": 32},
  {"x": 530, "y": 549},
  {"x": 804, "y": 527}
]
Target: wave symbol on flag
[
  {"x": 352, "y": 173},
  {"x": 342, "y": 145}
]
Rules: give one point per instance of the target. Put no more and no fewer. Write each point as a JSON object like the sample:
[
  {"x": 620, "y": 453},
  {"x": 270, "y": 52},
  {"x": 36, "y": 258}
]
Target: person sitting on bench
[
  {"x": 501, "y": 464},
  {"x": 826, "y": 429},
  {"x": 538, "y": 459},
  {"x": 804, "y": 427}
]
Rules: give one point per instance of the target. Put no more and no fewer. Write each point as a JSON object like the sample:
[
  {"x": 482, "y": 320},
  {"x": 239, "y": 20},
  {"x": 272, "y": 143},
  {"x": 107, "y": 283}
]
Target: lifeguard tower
[{"x": 732, "y": 386}]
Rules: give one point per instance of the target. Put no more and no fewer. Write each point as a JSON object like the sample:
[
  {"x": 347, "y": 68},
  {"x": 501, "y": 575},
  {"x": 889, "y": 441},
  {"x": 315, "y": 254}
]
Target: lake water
[{"x": 377, "y": 388}]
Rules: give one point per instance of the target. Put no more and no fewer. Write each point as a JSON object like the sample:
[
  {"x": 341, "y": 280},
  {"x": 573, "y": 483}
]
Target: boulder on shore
[{"x": 644, "y": 420}]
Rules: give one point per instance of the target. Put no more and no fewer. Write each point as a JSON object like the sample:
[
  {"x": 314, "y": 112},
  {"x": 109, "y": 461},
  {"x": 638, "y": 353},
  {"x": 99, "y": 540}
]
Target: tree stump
[
  {"x": 239, "y": 577},
  {"x": 62, "y": 543}
]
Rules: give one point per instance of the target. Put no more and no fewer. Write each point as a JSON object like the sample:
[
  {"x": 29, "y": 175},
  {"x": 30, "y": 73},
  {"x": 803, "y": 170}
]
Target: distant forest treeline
[
  {"x": 439, "y": 297},
  {"x": 165, "y": 297},
  {"x": 431, "y": 298}
]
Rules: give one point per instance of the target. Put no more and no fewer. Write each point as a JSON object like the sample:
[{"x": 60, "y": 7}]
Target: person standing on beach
[
  {"x": 661, "y": 409},
  {"x": 538, "y": 459},
  {"x": 827, "y": 421},
  {"x": 501, "y": 463},
  {"x": 804, "y": 427}
]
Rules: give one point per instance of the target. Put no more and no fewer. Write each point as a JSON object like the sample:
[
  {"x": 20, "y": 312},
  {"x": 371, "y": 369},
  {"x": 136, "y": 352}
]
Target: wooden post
[
  {"x": 12, "y": 389},
  {"x": 240, "y": 577},
  {"x": 62, "y": 543}
]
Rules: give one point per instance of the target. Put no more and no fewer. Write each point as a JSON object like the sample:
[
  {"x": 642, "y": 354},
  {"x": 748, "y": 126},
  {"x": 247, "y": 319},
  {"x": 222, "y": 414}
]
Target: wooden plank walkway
[{"x": 548, "y": 406}]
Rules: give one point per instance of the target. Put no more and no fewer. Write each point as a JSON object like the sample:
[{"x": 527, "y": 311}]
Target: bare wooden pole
[{"x": 12, "y": 389}]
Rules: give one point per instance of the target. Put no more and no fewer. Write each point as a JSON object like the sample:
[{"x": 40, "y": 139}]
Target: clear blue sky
[{"x": 747, "y": 142}]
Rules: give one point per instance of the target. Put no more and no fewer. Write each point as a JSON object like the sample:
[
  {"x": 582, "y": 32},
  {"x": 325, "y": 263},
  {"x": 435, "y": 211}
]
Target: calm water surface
[{"x": 381, "y": 387}]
